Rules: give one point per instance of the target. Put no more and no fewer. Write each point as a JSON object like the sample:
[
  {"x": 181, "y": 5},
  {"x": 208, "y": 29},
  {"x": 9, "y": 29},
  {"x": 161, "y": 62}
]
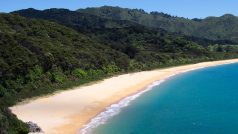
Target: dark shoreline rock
[{"x": 33, "y": 127}]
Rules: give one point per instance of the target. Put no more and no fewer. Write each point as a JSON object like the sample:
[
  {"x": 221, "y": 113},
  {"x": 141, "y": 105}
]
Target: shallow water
[{"x": 203, "y": 101}]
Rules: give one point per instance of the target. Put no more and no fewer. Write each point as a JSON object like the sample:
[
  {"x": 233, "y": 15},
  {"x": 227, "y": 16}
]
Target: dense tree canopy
[
  {"x": 213, "y": 28},
  {"x": 56, "y": 49}
]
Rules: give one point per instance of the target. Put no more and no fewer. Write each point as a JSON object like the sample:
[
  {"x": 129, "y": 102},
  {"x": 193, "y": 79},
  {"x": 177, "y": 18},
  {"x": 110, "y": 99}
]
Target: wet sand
[{"x": 68, "y": 111}]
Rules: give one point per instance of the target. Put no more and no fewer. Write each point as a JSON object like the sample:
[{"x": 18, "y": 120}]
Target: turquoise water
[{"x": 203, "y": 101}]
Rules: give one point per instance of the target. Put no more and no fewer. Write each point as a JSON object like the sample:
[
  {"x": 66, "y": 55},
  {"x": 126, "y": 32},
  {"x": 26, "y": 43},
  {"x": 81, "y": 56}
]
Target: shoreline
[
  {"x": 100, "y": 118},
  {"x": 70, "y": 111},
  {"x": 86, "y": 129}
]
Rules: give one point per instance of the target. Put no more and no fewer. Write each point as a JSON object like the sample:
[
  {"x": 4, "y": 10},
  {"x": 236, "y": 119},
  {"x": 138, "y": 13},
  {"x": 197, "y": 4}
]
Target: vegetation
[
  {"x": 213, "y": 28},
  {"x": 37, "y": 57},
  {"x": 82, "y": 22},
  {"x": 56, "y": 49}
]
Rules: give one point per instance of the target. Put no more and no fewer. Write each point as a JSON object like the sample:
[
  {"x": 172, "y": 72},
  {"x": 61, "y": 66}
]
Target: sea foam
[{"x": 114, "y": 109}]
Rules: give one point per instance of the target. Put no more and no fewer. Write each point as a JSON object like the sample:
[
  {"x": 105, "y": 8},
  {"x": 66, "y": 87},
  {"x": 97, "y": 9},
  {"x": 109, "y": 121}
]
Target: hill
[
  {"x": 92, "y": 24},
  {"x": 82, "y": 22},
  {"x": 41, "y": 55},
  {"x": 213, "y": 28}
]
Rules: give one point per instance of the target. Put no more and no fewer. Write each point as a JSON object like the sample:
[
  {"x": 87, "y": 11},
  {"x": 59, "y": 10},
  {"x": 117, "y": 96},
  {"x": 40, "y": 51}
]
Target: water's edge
[{"x": 115, "y": 108}]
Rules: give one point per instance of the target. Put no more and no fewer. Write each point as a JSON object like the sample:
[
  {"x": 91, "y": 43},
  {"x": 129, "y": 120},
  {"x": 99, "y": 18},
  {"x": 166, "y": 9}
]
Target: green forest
[
  {"x": 213, "y": 28},
  {"x": 55, "y": 49}
]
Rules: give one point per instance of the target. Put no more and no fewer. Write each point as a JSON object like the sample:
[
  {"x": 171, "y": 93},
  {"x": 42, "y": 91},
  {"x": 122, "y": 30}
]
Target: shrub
[
  {"x": 2, "y": 91},
  {"x": 35, "y": 73},
  {"x": 110, "y": 69},
  {"x": 79, "y": 73},
  {"x": 57, "y": 75}
]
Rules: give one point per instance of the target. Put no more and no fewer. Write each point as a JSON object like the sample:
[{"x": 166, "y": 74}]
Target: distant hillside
[
  {"x": 56, "y": 49},
  {"x": 214, "y": 28},
  {"x": 83, "y": 22},
  {"x": 92, "y": 24}
]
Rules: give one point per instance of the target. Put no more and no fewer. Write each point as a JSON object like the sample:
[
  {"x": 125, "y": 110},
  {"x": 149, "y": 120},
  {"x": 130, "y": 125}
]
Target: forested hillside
[
  {"x": 82, "y": 22},
  {"x": 38, "y": 56},
  {"x": 90, "y": 24},
  {"x": 213, "y": 28},
  {"x": 56, "y": 49}
]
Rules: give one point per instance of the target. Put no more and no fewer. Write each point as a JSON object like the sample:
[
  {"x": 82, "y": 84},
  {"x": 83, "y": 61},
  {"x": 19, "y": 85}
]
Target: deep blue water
[{"x": 203, "y": 101}]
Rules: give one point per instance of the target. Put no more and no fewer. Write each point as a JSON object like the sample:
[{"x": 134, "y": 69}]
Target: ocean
[{"x": 203, "y": 101}]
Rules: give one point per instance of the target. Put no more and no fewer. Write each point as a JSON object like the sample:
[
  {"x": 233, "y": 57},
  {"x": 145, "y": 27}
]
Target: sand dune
[{"x": 68, "y": 111}]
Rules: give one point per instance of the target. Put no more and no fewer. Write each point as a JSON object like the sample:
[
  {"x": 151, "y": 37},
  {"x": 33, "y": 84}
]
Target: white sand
[{"x": 68, "y": 111}]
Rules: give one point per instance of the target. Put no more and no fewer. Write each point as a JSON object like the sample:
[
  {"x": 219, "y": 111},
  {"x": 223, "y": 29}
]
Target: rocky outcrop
[{"x": 33, "y": 127}]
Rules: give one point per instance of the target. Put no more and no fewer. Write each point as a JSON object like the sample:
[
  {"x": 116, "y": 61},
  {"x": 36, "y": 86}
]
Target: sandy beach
[{"x": 68, "y": 111}]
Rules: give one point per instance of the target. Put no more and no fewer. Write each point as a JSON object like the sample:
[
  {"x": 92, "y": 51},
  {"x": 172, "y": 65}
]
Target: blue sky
[{"x": 183, "y": 8}]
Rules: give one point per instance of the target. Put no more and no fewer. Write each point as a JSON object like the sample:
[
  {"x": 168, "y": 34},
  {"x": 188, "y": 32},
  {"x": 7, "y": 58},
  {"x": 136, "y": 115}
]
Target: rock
[{"x": 33, "y": 127}]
